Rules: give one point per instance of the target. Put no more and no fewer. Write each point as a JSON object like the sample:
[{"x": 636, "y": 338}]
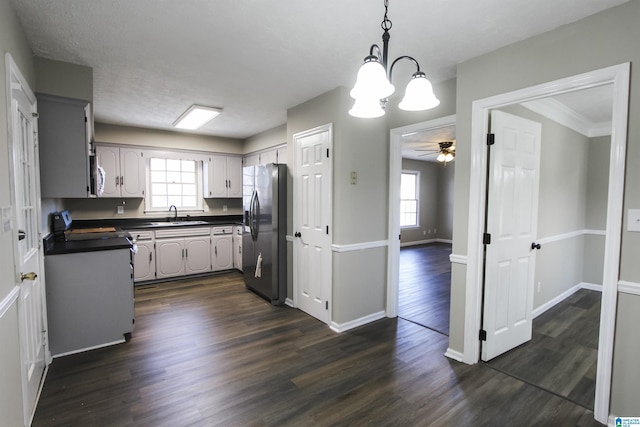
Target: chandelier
[
  {"x": 447, "y": 152},
  {"x": 373, "y": 85}
]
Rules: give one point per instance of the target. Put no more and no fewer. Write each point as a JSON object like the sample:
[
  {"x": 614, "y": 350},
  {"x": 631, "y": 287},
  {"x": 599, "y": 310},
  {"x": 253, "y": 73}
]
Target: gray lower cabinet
[{"x": 90, "y": 301}]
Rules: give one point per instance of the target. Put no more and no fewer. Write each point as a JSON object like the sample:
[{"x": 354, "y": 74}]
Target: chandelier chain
[{"x": 386, "y": 22}]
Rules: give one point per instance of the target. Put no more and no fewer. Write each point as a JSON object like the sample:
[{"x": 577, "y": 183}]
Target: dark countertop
[
  {"x": 53, "y": 247},
  {"x": 137, "y": 223}
]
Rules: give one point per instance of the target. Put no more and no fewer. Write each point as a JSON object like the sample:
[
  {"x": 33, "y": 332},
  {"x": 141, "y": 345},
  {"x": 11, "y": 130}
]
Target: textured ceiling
[{"x": 152, "y": 59}]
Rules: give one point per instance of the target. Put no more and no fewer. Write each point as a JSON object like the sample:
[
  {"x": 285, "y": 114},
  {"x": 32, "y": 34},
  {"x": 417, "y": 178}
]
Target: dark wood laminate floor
[
  {"x": 563, "y": 353},
  {"x": 425, "y": 285},
  {"x": 207, "y": 352}
]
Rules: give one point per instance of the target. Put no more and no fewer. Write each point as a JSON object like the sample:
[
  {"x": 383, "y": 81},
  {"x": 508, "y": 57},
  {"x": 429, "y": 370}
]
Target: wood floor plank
[{"x": 207, "y": 352}]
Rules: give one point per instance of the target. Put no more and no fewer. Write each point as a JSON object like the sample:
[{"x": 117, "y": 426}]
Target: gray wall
[
  {"x": 267, "y": 139},
  {"x": 359, "y": 211},
  {"x": 435, "y": 197},
  {"x": 12, "y": 41},
  {"x": 605, "y": 39}
]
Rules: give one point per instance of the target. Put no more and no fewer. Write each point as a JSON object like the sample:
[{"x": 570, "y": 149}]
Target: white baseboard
[
  {"x": 453, "y": 354},
  {"x": 449, "y": 241},
  {"x": 342, "y": 327},
  {"x": 68, "y": 353},
  {"x": 417, "y": 242},
  {"x": 566, "y": 294},
  {"x": 289, "y": 302}
]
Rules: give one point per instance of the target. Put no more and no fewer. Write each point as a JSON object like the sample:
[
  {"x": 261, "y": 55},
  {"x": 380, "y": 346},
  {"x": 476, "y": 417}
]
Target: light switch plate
[{"x": 633, "y": 220}]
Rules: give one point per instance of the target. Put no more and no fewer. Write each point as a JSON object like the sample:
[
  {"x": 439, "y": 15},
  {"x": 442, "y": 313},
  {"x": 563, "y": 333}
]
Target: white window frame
[
  {"x": 199, "y": 182},
  {"x": 417, "y": 199}
]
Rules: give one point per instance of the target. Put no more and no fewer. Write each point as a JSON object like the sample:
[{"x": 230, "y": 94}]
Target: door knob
[
  {"x": 297, "y": 234},
  {"x": 535, "y": 245},
  {"x": 28, "y": 276}
]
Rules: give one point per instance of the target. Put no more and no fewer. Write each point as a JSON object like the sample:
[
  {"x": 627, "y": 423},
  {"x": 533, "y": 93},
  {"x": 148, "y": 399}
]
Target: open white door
[
  {"x": 312, "y": 184},
  {"x": 28, "y": 249},
  {"x": 512, "y": 211}
]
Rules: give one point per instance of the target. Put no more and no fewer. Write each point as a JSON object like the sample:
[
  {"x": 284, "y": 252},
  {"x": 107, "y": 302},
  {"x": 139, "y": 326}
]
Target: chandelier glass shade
[{"x": 373, "y": 83}]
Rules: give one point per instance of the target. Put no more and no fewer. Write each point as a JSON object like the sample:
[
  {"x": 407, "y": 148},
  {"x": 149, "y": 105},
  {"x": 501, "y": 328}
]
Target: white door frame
[
  {"x": 617, "y": 75},
  {"x": 395, "y": 170}
]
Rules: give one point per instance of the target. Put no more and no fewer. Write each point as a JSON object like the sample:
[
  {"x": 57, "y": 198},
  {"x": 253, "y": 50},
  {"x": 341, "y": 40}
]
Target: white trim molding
[
  {"x": 631, "y": 288},
  {"x": 342, "y": 327},
  {"x": 566, "y": 294},
  {"x": 9, "y": 300},
  {"x": 289, "y": 302},
  {"x": 559, "y": 112},
  {"x": 458, "y": 259},
  {"x": 360, "y": 246},
  {"x": 453, "y": 354}
]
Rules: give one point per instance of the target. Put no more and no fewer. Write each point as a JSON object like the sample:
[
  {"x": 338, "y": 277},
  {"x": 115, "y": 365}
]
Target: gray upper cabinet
[{"x": 64, "y": 129}]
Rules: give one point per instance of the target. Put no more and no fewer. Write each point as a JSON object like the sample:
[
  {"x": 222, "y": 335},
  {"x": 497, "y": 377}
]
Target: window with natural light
[
  {"x": 409, "y": 199},
  {"x": 173, "y": 182}
]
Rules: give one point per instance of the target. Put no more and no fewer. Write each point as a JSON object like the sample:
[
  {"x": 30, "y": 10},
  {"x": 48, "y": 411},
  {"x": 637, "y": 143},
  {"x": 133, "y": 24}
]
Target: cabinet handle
[
  {"x": 117, "y": 181},
  {"x": 121, "y": 180},
  {"x": 186, "y": 253},
  {"x": 150, "y": 257},
  {"x": 215, "y": 249}
]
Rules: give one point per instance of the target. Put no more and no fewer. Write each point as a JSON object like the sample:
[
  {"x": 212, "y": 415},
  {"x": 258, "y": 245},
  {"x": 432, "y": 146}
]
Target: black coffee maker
[{"x": 59, "y": 223}]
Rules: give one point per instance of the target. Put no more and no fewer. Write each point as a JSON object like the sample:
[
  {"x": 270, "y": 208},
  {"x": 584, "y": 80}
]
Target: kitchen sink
[{"x": 176, "y": 223}]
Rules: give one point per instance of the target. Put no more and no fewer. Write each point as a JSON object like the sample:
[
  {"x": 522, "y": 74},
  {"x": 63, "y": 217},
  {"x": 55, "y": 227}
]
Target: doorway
[{"x": 618, "y": 76}]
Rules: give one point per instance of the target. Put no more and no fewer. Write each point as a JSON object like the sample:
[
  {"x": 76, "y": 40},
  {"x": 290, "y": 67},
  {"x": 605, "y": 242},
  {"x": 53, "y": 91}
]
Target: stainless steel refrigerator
[{"x": 264, "y": 255}]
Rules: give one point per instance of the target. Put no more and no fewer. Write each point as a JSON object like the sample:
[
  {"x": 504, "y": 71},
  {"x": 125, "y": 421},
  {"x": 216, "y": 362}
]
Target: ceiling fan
[{"x": 446, "y": 151}]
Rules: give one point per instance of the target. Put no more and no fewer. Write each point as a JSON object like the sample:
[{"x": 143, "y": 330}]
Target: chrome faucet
[{"x": 175, "y": 215}]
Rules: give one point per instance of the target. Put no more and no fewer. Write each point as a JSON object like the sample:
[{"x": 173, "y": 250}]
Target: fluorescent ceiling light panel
[{"x": 196, "y": 116}]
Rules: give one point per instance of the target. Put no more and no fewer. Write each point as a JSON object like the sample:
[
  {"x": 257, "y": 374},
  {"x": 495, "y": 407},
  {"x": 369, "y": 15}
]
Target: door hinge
[
  {"x": 35, "y": 115},
  {"x": 491, "y": 138},
  {"x": 400, "y": 236},
  {"x": 327, "y": 153},
  {"x": 326, "y": 305},
  {"x": 483, "y": 335},
  {"x": 486, "y": 239}
]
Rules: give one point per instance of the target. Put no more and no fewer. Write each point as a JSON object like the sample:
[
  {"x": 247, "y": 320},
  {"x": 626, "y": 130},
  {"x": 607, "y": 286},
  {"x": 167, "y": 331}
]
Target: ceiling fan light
[
  {"x": 367, "y": 108},
  {"x": 419, "y": 95},
  {"x": 448, "y": 157},
  {"x": 372, "y": 81},
  {"x": 440, "y": 157}
]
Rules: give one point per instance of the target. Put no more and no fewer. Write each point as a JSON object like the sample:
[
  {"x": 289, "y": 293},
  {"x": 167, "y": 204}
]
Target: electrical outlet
[
  {"x": 224, "y": 208},
  {"x": 120, "y": 210},
  {"x": 354, "y": 178},
  {"x": 434, "y": 231},
  {"x": 424, "y": 232}
]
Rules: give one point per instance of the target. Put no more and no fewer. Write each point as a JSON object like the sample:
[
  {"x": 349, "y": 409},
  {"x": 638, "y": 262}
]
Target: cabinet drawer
[
  {"x": 227, "y": 229},
  {"x": 182, "y": 232},
  {"x": 141, "y": 234}
]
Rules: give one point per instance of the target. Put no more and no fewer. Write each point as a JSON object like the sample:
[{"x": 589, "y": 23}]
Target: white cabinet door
[
  {"x": 109, "y": 159},
  {"x": 282, "y": 155},
  {"x": 218, "y": 176},
  {"x": 252, "y": 160},
  {"x": 197, "y": 255},
  {"x": 237, "y": 251},
  {"x": 169, "y": 258},
  {"x": 269, "y": 156},
  {"x": 234, "y": 175},
  {"x": 123, "y": 169},
  {"x": 224, "y": 177},
  {"x": 222, "y": 256},
  {"x": 144, "y": 262},
  {"x": 132, "y": 173}
]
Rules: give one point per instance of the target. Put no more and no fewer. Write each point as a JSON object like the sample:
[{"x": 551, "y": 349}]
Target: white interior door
[
  {"x": 512, "y": 211},
  {"x": 312, "y": 222},
  {"x": 29, "y": 259}
]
